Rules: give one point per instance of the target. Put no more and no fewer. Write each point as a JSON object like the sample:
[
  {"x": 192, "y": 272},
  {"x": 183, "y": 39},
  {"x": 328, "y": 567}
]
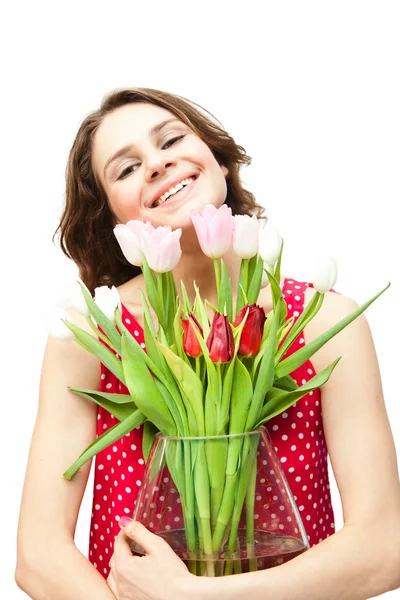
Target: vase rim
[{"x": 160, "y": 436}]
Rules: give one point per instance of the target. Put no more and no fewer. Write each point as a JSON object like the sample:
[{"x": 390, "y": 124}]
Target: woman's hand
[{"x": 158, "y": 574}]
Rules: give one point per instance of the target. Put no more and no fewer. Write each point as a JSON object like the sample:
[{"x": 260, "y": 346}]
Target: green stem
[
  {"x": 250, "y": 497},
  {"x": 207, "y": 544},
  {"x": 248, "y": 457},
  {"x": 228, "y": 498},
  {"x": 217, "y": 275},
  {"x": 188, "y": 508},
  {"x": 243, "y": 281},
  {"x": 202, "y": 492}
]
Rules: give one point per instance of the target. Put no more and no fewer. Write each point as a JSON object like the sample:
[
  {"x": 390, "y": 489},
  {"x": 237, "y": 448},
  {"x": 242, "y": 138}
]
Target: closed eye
[{"x": 127, "y": 171}]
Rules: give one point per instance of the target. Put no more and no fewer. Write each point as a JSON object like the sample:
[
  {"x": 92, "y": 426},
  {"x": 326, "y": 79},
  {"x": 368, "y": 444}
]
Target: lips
[{"x": 170, "y": 185}]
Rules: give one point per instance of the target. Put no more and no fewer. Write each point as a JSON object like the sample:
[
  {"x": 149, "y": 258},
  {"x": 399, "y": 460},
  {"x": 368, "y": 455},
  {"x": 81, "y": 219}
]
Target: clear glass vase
[{"x": 199, "y": 494}]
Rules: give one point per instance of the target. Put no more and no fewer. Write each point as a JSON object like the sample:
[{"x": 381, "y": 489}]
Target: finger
[{"x": 139, "y": 534}]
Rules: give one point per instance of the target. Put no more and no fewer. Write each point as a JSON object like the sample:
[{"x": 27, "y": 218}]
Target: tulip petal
[{"x": 129, "y": 243}]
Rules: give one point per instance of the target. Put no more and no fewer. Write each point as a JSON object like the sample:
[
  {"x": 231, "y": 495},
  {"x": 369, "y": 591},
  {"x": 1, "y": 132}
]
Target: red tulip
[
  {"x": 253, "y": 330},
  {"x": 220, "y": 339},
  {"x": 190, "y": 342}
]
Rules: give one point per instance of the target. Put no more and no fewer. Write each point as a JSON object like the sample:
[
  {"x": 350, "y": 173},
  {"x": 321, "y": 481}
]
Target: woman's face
[{"x": 137, "y": 166}]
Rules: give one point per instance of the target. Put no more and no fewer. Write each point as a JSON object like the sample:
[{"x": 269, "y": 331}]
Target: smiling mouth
[{"x": 177, "y": 195}]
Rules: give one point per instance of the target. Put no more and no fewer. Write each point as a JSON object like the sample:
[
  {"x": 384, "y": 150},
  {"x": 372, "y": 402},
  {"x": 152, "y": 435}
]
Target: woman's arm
[
  {"x": 362, "y": 560},
  {"x": 49, "y": 566}
]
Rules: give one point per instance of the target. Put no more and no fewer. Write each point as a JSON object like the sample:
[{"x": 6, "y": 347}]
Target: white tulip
[
  {"x": 107, "y": 300},
  {"x": 246, "y": 232},
  {"x": 325, "y": 274},
  {"x": 55, "y": 327},
  {"x": 77, "y": 300},
  {"x": 270, "y": 244}
]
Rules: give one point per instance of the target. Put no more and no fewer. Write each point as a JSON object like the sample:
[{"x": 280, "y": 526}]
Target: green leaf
[
  {"x": 188, "y": 382},
  {"x": 283, "y": 401},
  {"x": 306, "y": 316},
  {"x": 252, "y": 265},
  {"x": 172, "y": 299},
  {"x": 143, "y": 388},
  {"x": 178, "y": 333},
  {"x": 286, "y": 383},
  {"x": 154, "y": 368},
  {"x": 106, "y": 439},
  {"x": 265, "y": 378},
  {"x": 151, "y": 290},
  {"x": 149, "y": 433},
  {"x": 241, "y": 296},
  {"x": 147, "y": 316},
  {"x": 242, "y": 393},
  {"x": 119, "y": 405},
  {"x": 277, "y": 273},
  {"x": 276, "y": 291},
  {"x": 175, "y": 405},
  {"x": 185, "y": 297},
  {"x": 253, "y": 291},
  {"x": 200, "y": 312},
  {"x": 102, "y": 320},
  {"x": 260, "y": 353},
  {"x": 212, "y": 378},
  {"x": 89, "y": 343},
  {"x": 223, "y": 414},
  {"x": 294, "y": 361}
]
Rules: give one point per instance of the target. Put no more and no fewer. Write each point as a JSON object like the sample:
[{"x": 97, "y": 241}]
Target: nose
[{"x": 157, "y": 166}]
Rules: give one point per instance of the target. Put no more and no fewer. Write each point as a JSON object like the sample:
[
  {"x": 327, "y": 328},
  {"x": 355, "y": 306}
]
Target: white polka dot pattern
[{"x": 297, "y": 436}]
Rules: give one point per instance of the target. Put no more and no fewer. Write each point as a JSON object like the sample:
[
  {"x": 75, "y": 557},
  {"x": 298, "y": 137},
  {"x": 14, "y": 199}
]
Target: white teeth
[{"x": 173, "y": 190}]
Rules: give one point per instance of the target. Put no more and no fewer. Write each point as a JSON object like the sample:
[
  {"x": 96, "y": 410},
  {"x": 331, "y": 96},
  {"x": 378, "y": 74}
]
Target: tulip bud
[
  {"x": 220, "y": 341},
  {"x": 191, "y": 344},
  {"x": 107, "y": 300},
  {"x": 55, "y": 327},
  {"x": 325, "y": 274},
  {"x": 214, "y": 229},
  {"x": 246, "y": 231},
  {"x": 270, "y": 244},
  {"x": 162, "y": 248},
  {"x": 252, "y": 332},
  {"x": 129, "y": 237}
]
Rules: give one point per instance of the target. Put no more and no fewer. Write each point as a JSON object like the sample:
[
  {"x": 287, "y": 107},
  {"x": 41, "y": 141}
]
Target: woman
[{"x": 126, "y": 157}]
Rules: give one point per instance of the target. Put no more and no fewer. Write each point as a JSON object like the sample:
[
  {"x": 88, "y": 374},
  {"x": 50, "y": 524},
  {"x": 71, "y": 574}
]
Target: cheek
[{"x": 125, "y": 203}]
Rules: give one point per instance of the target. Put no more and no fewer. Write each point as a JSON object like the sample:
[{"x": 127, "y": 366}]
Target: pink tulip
[
  {"x": 214, "y": 229},
  {"x": 129, "y": 237},
  {"x": 246, "y": 232},
  {"x": 162, "y": 248}
]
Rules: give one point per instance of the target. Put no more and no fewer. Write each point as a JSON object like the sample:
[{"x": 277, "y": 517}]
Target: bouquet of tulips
[{"x": 199, "y": 378}]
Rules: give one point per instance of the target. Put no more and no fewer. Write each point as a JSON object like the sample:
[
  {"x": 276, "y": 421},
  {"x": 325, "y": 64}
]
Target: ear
[{"x": 225, "y": 171}]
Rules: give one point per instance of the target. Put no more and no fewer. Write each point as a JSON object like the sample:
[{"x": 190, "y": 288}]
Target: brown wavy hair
[{"x": 87, "y": 222}]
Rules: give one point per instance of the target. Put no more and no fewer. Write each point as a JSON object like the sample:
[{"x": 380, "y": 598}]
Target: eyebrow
[{"x": 129, "y": 147}]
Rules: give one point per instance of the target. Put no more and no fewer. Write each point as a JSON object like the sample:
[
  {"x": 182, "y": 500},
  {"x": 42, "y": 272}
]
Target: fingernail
[{"x": 123, "y": 522}]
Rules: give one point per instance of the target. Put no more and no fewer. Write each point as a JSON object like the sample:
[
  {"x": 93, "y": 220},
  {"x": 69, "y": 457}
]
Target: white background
[{"x": 310, "y": 89}]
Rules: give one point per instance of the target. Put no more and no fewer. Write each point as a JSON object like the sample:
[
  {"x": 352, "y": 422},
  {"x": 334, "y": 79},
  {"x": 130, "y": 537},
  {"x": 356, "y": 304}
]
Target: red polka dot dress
[{"x": 297, "y": 435}]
